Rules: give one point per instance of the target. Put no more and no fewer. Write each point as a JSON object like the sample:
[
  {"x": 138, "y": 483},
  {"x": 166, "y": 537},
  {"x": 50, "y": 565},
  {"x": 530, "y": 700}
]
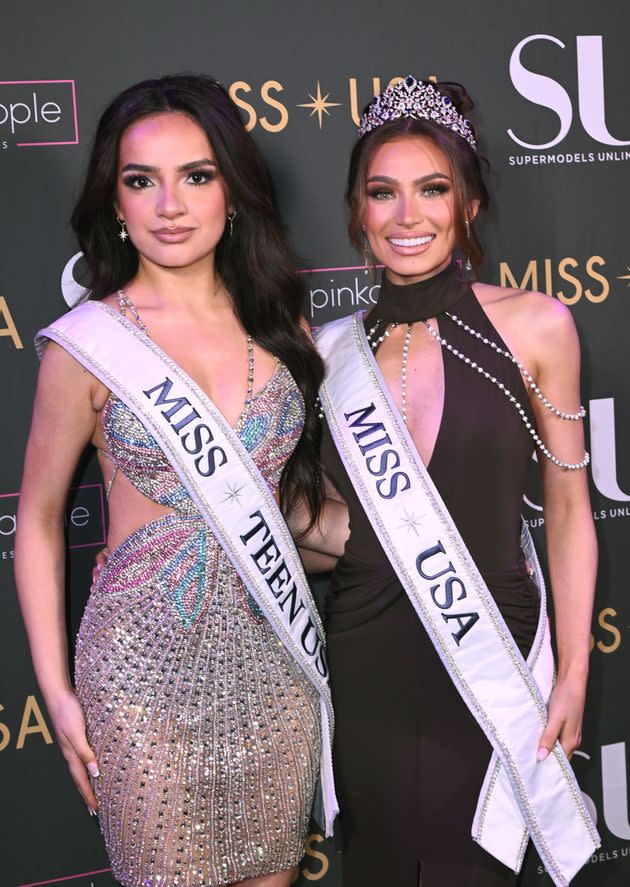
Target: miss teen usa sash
[
  {"x": 222, "y": 480},
  {"x": 520, "y": 798}
]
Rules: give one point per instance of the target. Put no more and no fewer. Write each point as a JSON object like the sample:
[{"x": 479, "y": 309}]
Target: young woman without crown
[
  {"x": 201, "y": 711},
  {"x": 435, "y": 402}
]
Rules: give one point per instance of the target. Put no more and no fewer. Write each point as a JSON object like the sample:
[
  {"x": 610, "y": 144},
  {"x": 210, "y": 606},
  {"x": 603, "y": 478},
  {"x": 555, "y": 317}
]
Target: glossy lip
[
  {"x": 415, "y": 250},
  {"x": 172, "y": 235}
]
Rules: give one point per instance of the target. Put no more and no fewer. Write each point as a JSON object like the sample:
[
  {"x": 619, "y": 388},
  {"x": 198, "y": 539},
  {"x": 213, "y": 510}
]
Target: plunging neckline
[
  {"x": 413, "y": 302},
  {"x": 448, "y": 367},
  {"x": 187, "y": 377},
  {"x": 387, "y": 392}
]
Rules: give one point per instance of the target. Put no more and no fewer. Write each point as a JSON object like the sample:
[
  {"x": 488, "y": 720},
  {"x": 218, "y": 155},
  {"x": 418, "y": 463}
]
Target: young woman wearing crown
[{"x": 435, "y": 402}]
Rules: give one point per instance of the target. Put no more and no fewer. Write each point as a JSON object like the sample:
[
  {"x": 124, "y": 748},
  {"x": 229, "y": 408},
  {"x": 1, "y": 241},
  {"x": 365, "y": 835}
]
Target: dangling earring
[
  {"x": 230, "y": 218},
  {"x": 366, "y": 251},
  {"x": 123, "y": 229},
  {"x": 468, "y": 265}
]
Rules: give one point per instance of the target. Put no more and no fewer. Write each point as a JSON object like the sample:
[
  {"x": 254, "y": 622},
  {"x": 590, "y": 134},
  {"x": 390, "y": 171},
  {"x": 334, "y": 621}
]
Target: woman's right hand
[
  {"x": 101, "y": 560},
  {"x": 69, "y": 724}
]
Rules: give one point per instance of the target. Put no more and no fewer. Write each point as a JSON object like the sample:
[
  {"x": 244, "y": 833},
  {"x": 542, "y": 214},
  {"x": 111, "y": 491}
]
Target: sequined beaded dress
[{"x": 206, "y": 732}]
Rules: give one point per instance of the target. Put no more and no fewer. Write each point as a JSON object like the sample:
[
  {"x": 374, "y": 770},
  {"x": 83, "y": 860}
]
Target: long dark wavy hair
[
  {"x": 467, "y": 167},
  {"x": 256, "y": 263}
]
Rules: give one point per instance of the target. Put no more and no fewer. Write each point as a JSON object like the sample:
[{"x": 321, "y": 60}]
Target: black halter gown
[{"x": 409, "y": 757}]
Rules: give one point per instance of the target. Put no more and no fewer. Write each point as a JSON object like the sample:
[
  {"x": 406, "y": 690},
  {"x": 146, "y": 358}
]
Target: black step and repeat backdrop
[{"x": 550, "y": 80}]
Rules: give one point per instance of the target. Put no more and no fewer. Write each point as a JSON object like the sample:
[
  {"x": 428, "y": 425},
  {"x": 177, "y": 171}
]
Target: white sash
[
  {"x": 222, "y": 480},
  {"x": 521, "y": 797}
]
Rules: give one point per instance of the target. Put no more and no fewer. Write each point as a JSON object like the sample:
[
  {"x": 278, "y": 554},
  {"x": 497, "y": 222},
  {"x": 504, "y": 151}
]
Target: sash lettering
[
  {"x": 223, "y": 482},
  {"x": 444, "y": 597},
  {"x": 386, "y": 461},
  {"x": 270, "y": 563},
  {"x": 520, "y": 798},
  {"x": 201, "y": 434}
]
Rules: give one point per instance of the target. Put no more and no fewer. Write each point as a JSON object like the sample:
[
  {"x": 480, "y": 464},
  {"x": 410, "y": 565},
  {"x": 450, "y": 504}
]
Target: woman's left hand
[{"x": 566, "y": 709}]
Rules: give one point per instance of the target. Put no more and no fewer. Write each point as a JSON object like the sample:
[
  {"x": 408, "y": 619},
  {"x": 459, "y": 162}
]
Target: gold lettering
[
  {"x": 530, "y": 276},
  {"x": 611, "y": 629},
  {"x": 32, "y": 709},
  {"x": 548, "y": 279},
  {"x": 354, "y": 100},
  {"x": 5, "y": 735},
  {"x": 284, "y": 114},
  {"x": 562, "y": 271},
  {"x": 596, "y": 260},
  {"x": 316, "y": 854},
  {"x": 10, "y": 329},
  {"x": 241, "y": 86}
]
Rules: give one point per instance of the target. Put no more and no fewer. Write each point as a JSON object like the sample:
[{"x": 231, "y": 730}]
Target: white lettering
[
  {"x": 540, "y": 90},
  {"x": 590, "y": 58}
]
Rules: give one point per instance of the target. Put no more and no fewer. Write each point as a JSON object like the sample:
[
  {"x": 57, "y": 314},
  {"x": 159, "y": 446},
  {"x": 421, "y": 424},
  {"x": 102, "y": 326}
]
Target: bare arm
[
  {"x": 63, "y": 423},
  {"x": 327, "y": 539},
  {"x": 570, "y": 532},
  {"x": 315, "y": 562}
]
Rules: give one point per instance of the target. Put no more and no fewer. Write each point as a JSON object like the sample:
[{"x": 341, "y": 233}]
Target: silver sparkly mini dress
[{"x": 206, "y": 731}]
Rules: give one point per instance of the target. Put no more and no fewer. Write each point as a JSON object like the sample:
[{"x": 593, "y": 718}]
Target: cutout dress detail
[{"x": 206, "y": 731}]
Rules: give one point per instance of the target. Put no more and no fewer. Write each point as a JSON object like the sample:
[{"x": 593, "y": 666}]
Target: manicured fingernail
[
  {"x": 91, "y": 810},
  {"x": 93, "y": 769},
  {"x": 99, "y": 567},
  {"x": 542, "y": 754}
]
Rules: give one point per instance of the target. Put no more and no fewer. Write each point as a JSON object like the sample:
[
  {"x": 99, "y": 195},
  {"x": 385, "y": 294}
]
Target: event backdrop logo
[
  {"x": 568, "y": 279},
  {"x": 84, "y": 519},
  {"x": 38, "y": 113},
  {"x": 539, "y": 89},
  {"x": 603, "y": 467}
]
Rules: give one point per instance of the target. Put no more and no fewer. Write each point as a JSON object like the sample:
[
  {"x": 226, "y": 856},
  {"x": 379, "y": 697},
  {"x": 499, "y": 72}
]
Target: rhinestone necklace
[
  {"x": 126, "y": 304},
  {"x": 375, "y": 340}
]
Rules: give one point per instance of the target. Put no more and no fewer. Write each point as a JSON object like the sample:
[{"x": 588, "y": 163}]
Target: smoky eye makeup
[
  {"x": 136, "y": 181},
  {"x": 436, "y": 189},
  {"x": 202, "y": 175},
  {"x": 197, "y": 173},
  {"x": 379, "y": 192}
]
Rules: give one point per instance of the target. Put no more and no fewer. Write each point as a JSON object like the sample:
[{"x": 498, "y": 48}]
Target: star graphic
[
  {"x": 411, "y": 521},
  {"x": 625, "y": 276},
  {"x": 319, "y": 104},
  {"x": 233, "y": 493}
]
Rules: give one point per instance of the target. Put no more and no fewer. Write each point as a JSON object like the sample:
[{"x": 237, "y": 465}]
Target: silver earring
[
  {"x": 468, "y": 265},
  {"x": 366, "y": 251},
  {"x": 231, "y": 217},
  {"x": 123, "y": 229}
]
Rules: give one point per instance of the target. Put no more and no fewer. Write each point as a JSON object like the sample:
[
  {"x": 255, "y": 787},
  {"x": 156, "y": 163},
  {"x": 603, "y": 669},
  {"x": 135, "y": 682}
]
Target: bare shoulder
[
  {"x": 63, "y": 379},
  {"x": 540, "y": 316}
]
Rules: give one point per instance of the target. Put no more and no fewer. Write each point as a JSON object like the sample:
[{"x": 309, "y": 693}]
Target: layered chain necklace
[
  {"x": 382, "y": 329},
  {"x": 126, "y": 305}
]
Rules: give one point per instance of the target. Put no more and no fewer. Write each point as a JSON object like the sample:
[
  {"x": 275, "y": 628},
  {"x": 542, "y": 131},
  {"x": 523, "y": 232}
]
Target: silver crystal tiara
[{"x": 422, "y": 101}]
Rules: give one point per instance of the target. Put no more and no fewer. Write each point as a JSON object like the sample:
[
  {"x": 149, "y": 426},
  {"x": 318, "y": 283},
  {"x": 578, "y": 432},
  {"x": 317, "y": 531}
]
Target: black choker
[{"x": 408, "y": 303}]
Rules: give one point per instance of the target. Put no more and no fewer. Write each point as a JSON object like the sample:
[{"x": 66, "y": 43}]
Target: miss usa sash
[
  {"x": 222, "y": 480},
  {"x": 520, "y": 798}
]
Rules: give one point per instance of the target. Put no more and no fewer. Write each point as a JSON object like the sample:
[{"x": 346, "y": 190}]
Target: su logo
[
  {"x": 603, "y": 451},
  {"x": 545, "y": 91}
]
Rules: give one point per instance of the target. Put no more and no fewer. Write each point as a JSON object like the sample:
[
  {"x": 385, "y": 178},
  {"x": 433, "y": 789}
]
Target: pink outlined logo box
[
  {"x": 67, "y": 878},
  {"x": 40, "y": 110},
  {"x": 84, "y": 517}
]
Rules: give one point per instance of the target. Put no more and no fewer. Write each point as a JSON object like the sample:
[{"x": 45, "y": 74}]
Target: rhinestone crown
[{"x": 417, "y": 99}]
